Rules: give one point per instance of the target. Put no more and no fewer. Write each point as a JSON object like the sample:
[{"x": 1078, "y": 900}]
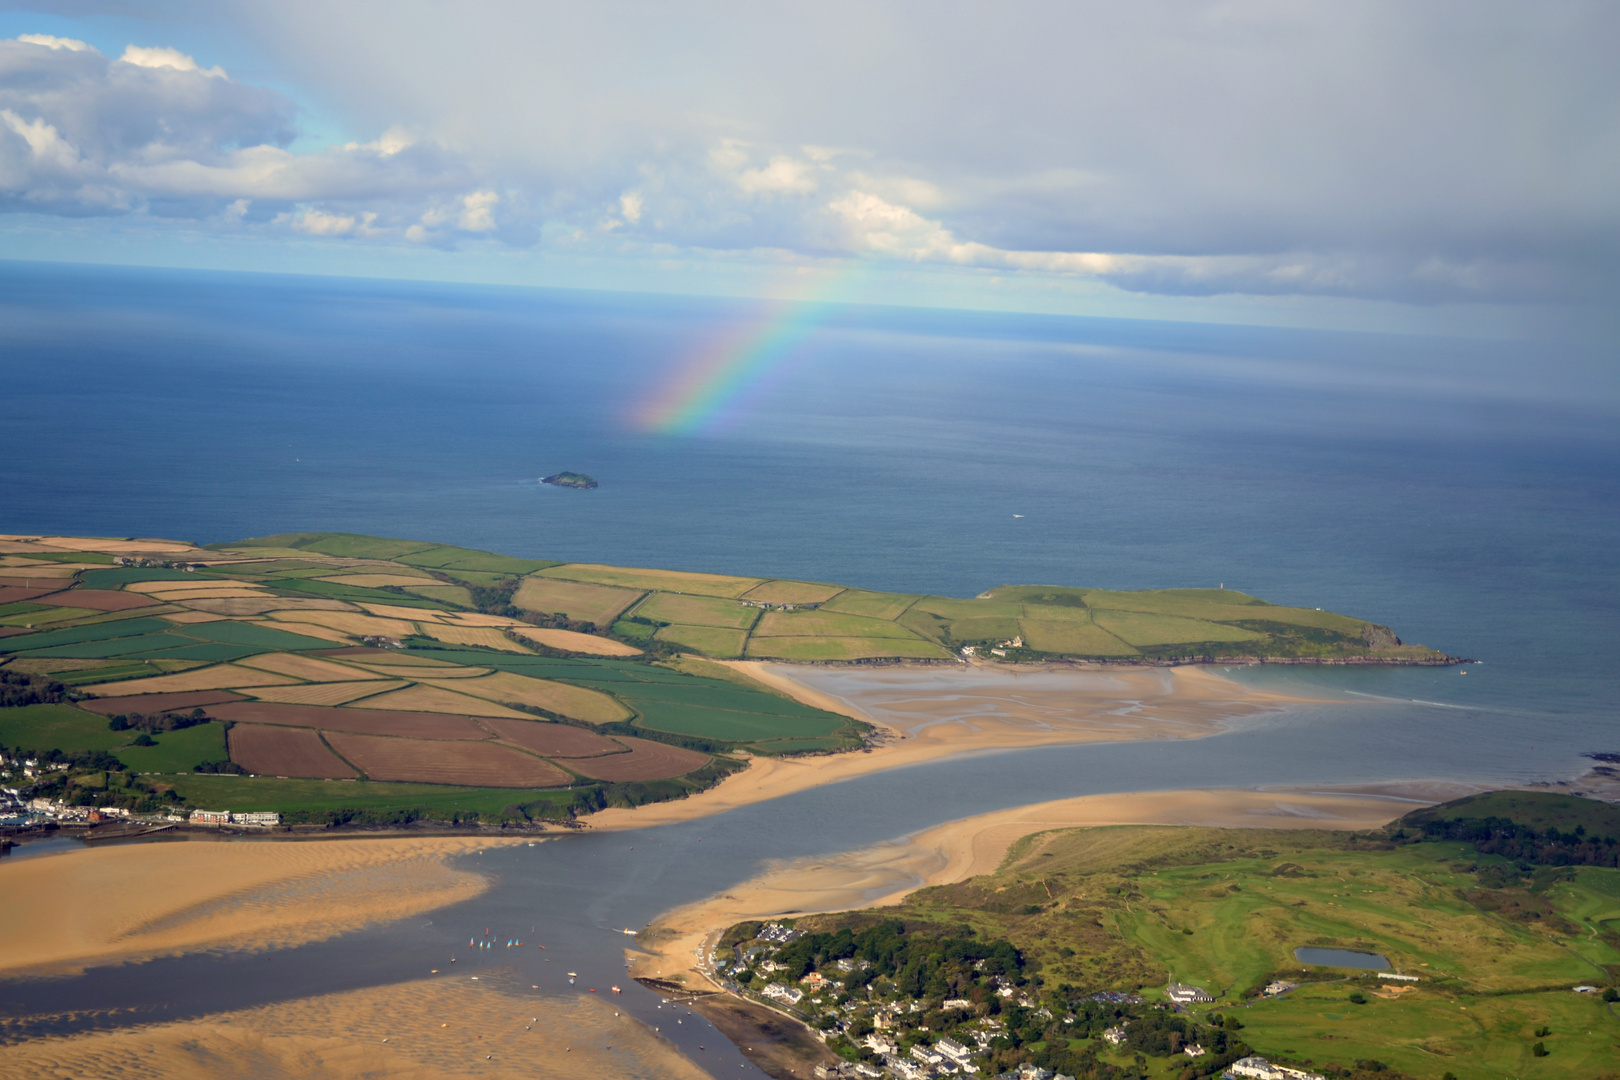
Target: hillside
[{"x": 1090, "y": 926}]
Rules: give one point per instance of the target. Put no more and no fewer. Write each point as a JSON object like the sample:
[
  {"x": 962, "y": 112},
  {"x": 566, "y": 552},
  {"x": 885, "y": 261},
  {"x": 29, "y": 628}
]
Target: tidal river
[{"x": 576, "y": 893}]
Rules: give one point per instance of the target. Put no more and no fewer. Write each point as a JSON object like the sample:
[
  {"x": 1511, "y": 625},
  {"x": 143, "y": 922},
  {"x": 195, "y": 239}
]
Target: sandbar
[
  {"x": 928, "y": 713},
  {"x": 422, "y": 1030},
  {"x": 672, "y": 947},
  {"x": 128, "y": 902}
]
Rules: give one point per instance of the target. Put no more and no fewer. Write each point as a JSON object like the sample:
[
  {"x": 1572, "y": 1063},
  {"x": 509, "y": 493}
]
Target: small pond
[{"x": 1348, "y": 958}]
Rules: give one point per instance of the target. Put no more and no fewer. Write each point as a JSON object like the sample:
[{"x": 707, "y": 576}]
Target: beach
[
  {"x": 68, "y": 911},
  {"x": 927, "y": 713},
  {"x": 410, "y": 1031}
]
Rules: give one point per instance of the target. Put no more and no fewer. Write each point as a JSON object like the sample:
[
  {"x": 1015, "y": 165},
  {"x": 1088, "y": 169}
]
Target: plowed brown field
[
  {"x": 280, "y": 751},
  {"x": 553, "y": 740},
  {"x": 156, "y": 703},
  {"x": 646, "y": 760},
  {"x": 99, "y": 599},
  {"x": 413, "y": 725},
  {"x": 469, "y": 763}
]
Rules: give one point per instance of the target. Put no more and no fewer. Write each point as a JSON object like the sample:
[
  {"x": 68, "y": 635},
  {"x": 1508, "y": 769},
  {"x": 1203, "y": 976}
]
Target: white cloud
[
  {"x": 45, "y": 145},
  {"x": 163, "y": 57},
  {"x": 783, "y": 176},
  {"x": 315, "y": 223},
  {"x": 478, "y": 212},
  {"x": 630, "y": 206},
  {"x": 71, "y": 44}
]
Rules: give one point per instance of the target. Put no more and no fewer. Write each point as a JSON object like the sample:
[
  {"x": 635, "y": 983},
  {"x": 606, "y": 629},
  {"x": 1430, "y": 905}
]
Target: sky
[{"x": 1438, "y": 167}]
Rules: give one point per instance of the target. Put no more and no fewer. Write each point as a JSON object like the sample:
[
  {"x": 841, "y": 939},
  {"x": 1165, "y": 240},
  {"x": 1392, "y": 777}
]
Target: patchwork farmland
[{"x": 377, "y": 668}]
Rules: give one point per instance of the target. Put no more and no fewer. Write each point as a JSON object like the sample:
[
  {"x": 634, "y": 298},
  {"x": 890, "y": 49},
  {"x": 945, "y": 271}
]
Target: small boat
[
  {"x": 628, "y": 931},
  {"x": 616, "y": 990}
]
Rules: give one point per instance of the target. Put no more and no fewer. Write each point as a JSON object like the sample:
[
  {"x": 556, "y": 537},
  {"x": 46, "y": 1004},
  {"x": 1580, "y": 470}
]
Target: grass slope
[{"x": 1496, "y": 949}]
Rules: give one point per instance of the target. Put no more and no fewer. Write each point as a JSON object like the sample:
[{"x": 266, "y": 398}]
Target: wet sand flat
[
  {"x": 81, "y": 908},
  {"x": 434, "y": 1028},
  {"x": 927, "y": 713}
]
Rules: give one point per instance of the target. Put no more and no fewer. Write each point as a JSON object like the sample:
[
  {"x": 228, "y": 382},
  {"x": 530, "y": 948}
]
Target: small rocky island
[{"x": 569, "y": 480}]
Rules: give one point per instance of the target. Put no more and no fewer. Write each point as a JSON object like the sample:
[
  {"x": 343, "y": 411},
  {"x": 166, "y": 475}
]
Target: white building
[
  {"x": 1115, "y": 1035},
  {"x": 1182, "y": 994},
  {"x": 210, "y": 817},
  {"x": 782, "y": 992},
  {"x": 257, "y": 817},
  {"x": 1258, "y": 1068}
]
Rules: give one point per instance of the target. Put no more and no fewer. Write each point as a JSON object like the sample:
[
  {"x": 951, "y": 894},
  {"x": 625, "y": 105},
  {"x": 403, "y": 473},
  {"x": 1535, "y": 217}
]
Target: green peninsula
[{"x": 332, "y": 677}]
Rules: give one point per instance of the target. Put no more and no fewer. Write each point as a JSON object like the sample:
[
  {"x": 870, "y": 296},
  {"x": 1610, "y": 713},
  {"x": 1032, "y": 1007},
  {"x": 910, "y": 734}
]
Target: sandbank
[
  {"x": 434, "y": 1028},
  {"x": 928, "y": 713},
  {"x": 128, "y": 902},
  {"x": 672, "y": 948}
]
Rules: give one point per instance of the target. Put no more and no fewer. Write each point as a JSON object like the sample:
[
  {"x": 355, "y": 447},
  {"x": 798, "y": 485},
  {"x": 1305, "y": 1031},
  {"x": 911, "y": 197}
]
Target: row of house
[
  {"x": 57, "y": 810},
  {"x": 227, "y": 817},
  {"x": 30, "y": 767}
]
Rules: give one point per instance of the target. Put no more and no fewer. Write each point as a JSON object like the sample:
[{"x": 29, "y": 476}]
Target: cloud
[
  {"x": 173, "y": 59},
  {"x": 155, "y": 133},
  {"x": 1440, "y": 152},
  {"x": 55, "y": 42},
  {"x": 478, "y": 212}
]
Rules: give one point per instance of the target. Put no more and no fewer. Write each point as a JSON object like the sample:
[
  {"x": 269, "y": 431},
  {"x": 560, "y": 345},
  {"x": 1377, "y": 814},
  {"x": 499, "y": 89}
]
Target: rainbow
[{"x": 717, "y": 383}]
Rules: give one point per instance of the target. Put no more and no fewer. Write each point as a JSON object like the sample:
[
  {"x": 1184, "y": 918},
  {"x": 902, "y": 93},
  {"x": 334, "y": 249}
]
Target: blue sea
[{"x": 1401, "y": 479}]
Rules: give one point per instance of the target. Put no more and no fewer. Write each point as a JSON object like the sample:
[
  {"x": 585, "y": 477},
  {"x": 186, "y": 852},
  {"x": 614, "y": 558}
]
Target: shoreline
[
  {"x": 996, "y": 707},
  {"x": 674, "y": 949}
]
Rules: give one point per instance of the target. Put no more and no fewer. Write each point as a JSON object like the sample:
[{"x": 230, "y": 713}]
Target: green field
[
  {"x": 708, "y": 640},
  {"x": 113, "y": 577},
  {"x": 38, "y": 616},
  {"x": 874, "y": 605},
  {"x": 696, "y": 611},
  {"x": 1140, "y": 628},
  {"x": 730, "y": 725},
  {"x": 819, "y": 624},
  {"x": 1072, "y": 637},
  {"x": 458, "y": 595},
  {"x": 675, "y": 581},
  {"x": 57, "y": 727},
  {"x": 147, "y": 638},
  {"x": 176, "y": 751},
  {"x": 831, "y": 648}
]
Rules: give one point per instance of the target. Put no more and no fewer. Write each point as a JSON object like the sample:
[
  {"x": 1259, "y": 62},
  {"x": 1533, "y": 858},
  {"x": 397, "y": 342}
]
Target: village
[{"x": 929, "y": 1009}]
